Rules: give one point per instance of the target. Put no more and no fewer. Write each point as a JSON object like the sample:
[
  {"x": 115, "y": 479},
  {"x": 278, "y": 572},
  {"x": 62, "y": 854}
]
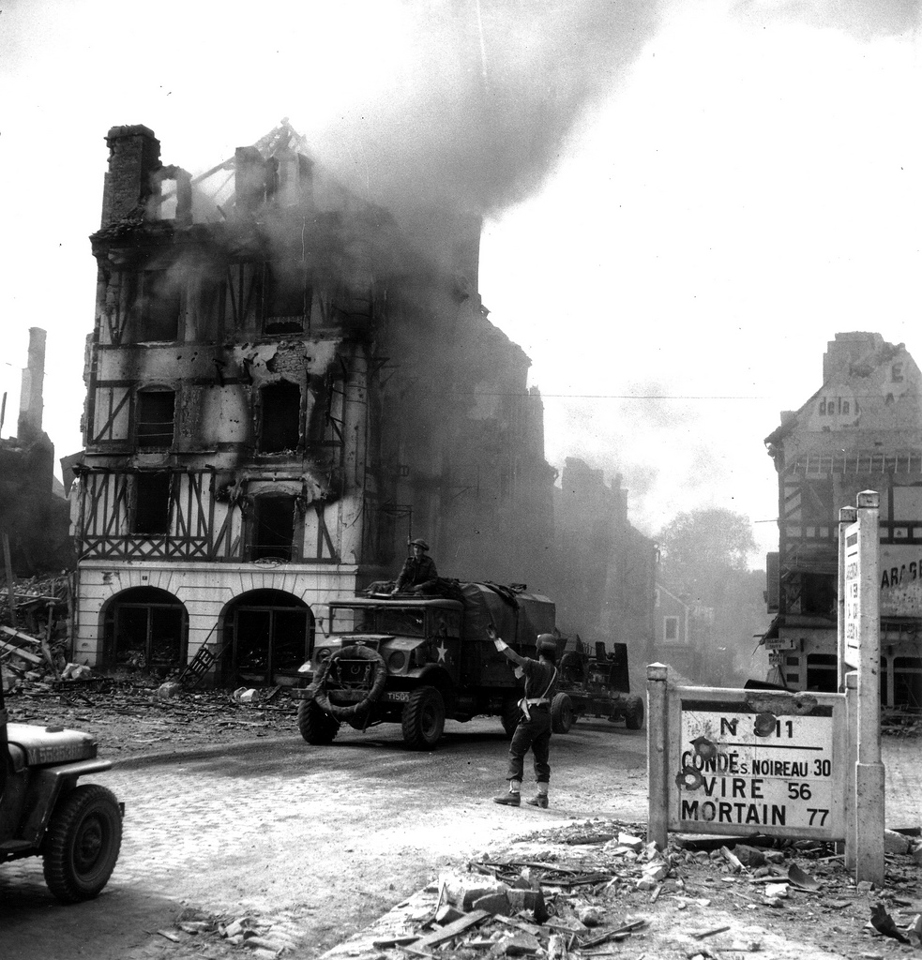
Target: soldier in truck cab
[
  {"x": 534, "y": 729},
  {"x": 419, "y": 573}
]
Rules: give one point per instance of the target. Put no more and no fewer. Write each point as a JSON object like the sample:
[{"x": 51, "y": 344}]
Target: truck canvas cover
[{"x": 517, "y": 617}]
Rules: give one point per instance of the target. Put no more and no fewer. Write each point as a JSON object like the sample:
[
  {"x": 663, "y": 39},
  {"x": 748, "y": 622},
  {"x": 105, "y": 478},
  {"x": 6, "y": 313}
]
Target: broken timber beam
[
  {"x": 472, "y": 919},
  {"x": 19, "y": 635},
  {"x": 19, "y": 652}
]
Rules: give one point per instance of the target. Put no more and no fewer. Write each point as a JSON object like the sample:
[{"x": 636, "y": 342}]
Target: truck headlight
[{"x": 396, "y": 661}]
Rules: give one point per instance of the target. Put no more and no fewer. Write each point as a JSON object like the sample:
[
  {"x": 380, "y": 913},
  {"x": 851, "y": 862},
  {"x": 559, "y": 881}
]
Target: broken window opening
[
  {"x": 670, "y": 629},
  {"x": 145, "y": 629},
  {"x": 907, "y": 683},
  {"x": 156, "y": 416},
  {"x": 280, "y": 426},
  {"x": 168, "y": 200},
  {"x": 287, "y": 300},
  {"x": 271, "y": 634},
  {"x": 157, "y": 306},
  {"x": 151, "y": 503},
  {"x": 823, "y": 672},
  {"x": 273, "y": 528}
]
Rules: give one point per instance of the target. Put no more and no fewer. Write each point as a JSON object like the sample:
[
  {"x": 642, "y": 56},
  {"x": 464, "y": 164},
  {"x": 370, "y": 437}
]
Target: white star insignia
[{"x": 442, "y": 651}]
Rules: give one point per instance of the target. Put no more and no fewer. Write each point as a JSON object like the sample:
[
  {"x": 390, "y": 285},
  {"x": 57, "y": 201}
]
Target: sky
[{"x": 684, "y": 201}]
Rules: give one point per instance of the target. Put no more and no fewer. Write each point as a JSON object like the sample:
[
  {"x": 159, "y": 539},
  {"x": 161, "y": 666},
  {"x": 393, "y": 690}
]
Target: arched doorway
[
  {"x": 270, "y": 635},
  {"x": 145, "y": 629}
]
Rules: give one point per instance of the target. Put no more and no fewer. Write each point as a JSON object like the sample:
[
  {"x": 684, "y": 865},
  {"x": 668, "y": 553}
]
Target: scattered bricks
[
  {"x": 170, "y": 689},
  {"x": 532, "y": 900},
  {"x": 732, "y": 859},
  {"x": 447, "y": 914},
  {"x": 749, "y": 856},
  {"x": 896, "y": 842},
  {"x": 557, "y": 947},
  {"x": 463, "y": 891},
  {"x": 591, "y": 916},
  {"x": 519, "y": 944},
  {"x": 493, "y": 903},
  {"x": 656, "y": 871},
  {"x": 634, "y": 844}
]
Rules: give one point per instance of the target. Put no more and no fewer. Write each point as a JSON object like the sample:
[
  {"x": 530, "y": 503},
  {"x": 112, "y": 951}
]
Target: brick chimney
[
  {"x": 31, "y": 404},
  {"x": 134, "y": 159}
]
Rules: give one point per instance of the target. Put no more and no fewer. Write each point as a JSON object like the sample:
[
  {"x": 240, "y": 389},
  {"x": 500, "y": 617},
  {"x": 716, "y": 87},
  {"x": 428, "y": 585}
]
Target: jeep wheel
[
  {"x": 633, "y": 716},
  {"x": 423, "y": 719},
  {"x": 511, "y": 715},
  {"x": 561, "y": 713},
  {"x": 317, "y": 728},
  {"x": 82, "y": 843}
]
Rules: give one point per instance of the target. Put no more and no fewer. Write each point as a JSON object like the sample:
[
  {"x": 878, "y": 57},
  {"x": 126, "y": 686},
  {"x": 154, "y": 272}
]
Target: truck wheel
[
  {"x": 511, "y": 715},
  {"x": 561, "y": 713},
  {"x": 423, "y": 719},
  {"x": 633, "y": 717},
  {"x": 82, "y": 843},
  {"x": 317, "y": 727}
]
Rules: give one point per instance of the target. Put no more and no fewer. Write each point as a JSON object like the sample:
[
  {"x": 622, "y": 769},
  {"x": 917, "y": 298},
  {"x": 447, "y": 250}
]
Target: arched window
[{"x": 145, "y": 630}]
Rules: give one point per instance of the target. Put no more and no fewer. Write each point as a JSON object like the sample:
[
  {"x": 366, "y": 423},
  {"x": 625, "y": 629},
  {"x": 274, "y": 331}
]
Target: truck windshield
[{"x": 402, "y": 621}]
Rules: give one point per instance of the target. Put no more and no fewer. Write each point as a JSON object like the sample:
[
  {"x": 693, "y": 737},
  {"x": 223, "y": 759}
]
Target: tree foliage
[{"x": 700, "y": 549}]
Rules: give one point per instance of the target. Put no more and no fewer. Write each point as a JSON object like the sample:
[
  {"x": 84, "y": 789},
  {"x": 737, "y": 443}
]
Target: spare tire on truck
[
  {"x": 561, "y": 713},
  {"x": 331, "y": 674}
]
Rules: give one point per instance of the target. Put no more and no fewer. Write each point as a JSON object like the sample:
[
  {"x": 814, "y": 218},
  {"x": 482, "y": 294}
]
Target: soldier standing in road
[
  {"x": 419, "y": 573},
  {"x": 534, "y": 729}
]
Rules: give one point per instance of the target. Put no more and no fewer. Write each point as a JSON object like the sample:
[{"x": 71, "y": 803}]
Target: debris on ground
[{"x": 598, "y": 889}]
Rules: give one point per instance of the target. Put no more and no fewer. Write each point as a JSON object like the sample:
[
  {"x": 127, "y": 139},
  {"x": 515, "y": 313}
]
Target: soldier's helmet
[
  {"x": 547, "y": 646},
  {"x": 418, "y": 542}
]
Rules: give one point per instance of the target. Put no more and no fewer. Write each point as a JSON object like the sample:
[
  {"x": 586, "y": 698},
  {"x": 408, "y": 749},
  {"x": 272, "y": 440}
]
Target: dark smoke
[{"x": 488, "y": 97}]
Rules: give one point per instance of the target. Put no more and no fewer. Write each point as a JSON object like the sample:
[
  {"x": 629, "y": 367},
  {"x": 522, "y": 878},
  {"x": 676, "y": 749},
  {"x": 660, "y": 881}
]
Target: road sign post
[{"x": 859, "y": 575}]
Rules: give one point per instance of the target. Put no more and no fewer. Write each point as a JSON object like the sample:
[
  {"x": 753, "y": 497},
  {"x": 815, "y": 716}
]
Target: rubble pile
[
  {"x": 35, "y": 629},
  {"x": 598, "y": 889}
]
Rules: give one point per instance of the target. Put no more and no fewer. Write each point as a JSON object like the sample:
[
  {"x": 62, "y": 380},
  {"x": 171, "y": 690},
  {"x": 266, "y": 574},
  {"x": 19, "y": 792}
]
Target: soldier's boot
[
  {"x": 540, "y": 799},
  {"x": 513, "y": 796}
]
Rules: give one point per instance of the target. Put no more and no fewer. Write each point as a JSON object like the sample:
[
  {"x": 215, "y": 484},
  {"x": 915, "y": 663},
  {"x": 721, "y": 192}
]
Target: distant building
[
  {"x": 605, "y": 567},
  {"x": 33, "y": 517},
  {"x": 284, "y": 384},
  {"x": 862, "y": 430}
]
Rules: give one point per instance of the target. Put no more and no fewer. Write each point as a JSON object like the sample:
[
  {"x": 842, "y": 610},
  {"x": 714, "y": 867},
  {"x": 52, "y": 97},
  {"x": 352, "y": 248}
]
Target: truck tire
[
  {"x": 82, "y": 843},
  {"x": 317, "y": 727},
  {"x": 423, "y": 719},
  {"x": 511, "y": 715},
  {"x": 561, "y": 713},
  {"x": 633, "y": 716}
]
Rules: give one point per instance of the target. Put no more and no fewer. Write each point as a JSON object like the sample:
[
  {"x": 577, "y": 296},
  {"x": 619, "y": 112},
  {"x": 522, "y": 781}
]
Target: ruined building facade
[
  {"x": 283, "y": 386},
  {"x": 605, "y": 567},
  {"x": 862, "y": 430}
]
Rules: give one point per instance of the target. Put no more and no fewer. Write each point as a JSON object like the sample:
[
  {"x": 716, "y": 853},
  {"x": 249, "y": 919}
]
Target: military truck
[{"x": 418, "y": 661}]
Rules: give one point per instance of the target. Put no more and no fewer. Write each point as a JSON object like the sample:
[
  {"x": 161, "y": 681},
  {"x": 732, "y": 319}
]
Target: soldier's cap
[{"x": 419, "y": 543}]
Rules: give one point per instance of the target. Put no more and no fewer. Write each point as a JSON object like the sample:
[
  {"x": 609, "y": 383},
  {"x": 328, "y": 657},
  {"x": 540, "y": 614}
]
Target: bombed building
[
  {"x": 33, "y": 518},
  {"x": 862, "y": 430},
  {"x": 284, "y": 384}
]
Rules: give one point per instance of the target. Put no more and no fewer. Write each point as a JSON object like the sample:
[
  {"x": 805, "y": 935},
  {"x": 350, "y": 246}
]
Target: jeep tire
[
  {"x": 82, "y": 843},
  {"x": 423, "y": 719},
  {"x": 561, "y": 713},
  {"x": 317, "y": 728}
]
